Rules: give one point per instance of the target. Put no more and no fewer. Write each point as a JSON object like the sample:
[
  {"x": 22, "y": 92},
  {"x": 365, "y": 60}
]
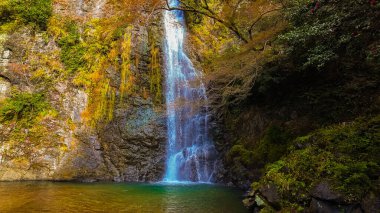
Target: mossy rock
[{"x": 345, "y": 155}]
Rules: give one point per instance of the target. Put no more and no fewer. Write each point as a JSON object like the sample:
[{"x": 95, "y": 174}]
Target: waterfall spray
[{"x": 190, "y": 152}]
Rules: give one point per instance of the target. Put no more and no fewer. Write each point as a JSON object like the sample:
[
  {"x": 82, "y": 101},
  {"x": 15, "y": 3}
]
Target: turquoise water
[{"x": 115, "y": 197}]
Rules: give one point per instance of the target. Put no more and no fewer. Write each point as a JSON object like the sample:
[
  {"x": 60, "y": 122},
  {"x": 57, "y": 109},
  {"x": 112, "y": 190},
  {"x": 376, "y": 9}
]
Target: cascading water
[{"x": 190, "y": 153}]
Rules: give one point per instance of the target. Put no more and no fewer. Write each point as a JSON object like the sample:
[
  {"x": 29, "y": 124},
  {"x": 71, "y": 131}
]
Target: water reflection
[{"x": 108, "y": 197}]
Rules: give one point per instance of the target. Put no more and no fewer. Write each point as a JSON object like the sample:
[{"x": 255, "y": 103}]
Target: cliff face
[
  {"x": 59, "y": 143},
  {"x": 134, "y": 142}
]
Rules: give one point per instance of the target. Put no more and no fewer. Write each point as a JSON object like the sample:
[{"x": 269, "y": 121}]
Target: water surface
[{"x": 112, "y": 197}]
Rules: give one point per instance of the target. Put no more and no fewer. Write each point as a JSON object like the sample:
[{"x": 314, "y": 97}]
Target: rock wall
[
  {"x": 4, "y": 88},
  {"x": 131, "y": 147},
  {"x": 134, "y": 142}
]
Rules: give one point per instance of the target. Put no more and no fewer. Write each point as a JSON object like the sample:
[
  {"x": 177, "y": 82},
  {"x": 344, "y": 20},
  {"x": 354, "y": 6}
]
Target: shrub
[
  {"x": 34, "y": 12},
  {"x": 331, "y": 31},
  {"x": 23, "y": 106},
  {"x": 72, "y": 50},
  {"x": 241, "y": 154},
  {"x": 273, "y": 144}
]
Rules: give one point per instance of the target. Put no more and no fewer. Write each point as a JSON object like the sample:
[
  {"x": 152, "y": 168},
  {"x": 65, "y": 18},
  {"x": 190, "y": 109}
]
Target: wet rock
[
  {"x": 254, "y": 202},
  {"x": 75, "y": 102},
  {"x": 7, "y": 54},
  {"x": 319, "y": 206},
  {"x": 371, "y": 203},
  {"x": 326, "y": 200},
  {"x": 5, "y": 86},
  {"x": 270, "y": 193},
  {"x": 249, "y": 201},
  {"x": 323, "y": 206},
  {"x": 5, "y": 57},
  {"x": 323, "y": 191},
  {"x": 135, "y": 143},
  {"x": 266, "y": 196},
  {"x": 82, "y": 8}
]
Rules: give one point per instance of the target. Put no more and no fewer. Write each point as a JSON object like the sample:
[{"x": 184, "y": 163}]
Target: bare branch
[
  {"x": 209, "y": 14},
  {"x": 259, "y": 18}
]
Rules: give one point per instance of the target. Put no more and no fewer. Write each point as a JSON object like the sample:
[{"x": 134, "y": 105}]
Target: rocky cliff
[{"x": 64, "y": 141}]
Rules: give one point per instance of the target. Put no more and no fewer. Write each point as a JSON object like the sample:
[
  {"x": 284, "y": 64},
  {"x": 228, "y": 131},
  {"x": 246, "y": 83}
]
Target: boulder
[
  {"x": 323, "y": 191},
  {"x": 371, "y": 203},
  {"x": 265, "y": 197},
  {"x": 270, "y": 193},
  {"x": 323, "y": 206}
]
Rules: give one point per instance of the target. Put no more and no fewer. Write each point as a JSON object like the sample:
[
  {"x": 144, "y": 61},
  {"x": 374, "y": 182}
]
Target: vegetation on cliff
[
  {"x": 14, "y": 13},
  {"x": 27, "y": 120},
  {"x": 90, "y": 48},
  {"x": 70, "y": 67},
  {"x": 23, "y": 106}
]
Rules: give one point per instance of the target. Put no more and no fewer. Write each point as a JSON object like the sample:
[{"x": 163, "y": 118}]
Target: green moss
[
  {"x": 155, "y": 75},
  {"x": 240, "y": 154},
  {"x": 72, "y": 49},
  {"x": 23, "y": 106},
  {"x": 345, "y": 155},
  {"x": 270, "y": 148},
  {"x": 33, "y": 12},
  {"x": 88, "y": 51},
  {"x": 119, "y": 32},
  {"x": 273, "y": 144}
]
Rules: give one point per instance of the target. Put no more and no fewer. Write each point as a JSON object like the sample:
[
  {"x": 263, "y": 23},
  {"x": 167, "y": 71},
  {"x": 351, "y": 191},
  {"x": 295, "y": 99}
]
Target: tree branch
[
  {"x": 209, "y": 14},
  {"x": 258, "y": 19}
]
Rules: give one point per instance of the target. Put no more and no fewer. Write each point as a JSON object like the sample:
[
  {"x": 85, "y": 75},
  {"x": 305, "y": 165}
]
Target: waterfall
[{"x": 191, "y": 155}]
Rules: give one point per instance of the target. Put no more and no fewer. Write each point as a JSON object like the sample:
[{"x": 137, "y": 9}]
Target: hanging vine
[
  {"x": 155, "y": 75},
  {"x": 127, "y": 78}
]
